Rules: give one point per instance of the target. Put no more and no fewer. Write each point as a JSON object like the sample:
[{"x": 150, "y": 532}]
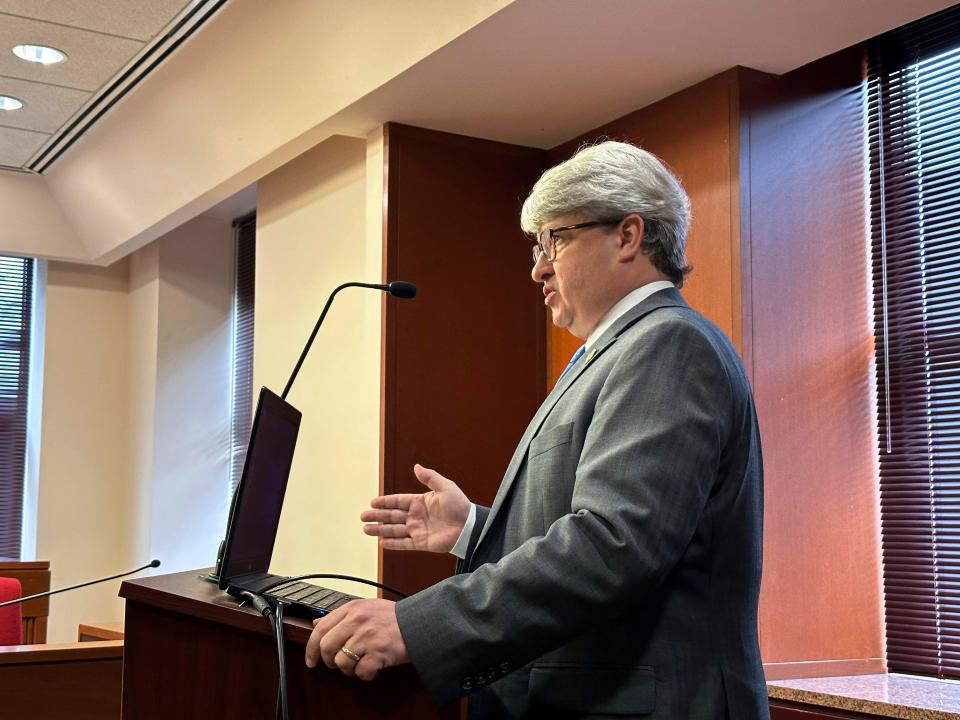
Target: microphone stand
[
  {"x": 17, "y": 601},
  {"x": 398, "y": 289}
]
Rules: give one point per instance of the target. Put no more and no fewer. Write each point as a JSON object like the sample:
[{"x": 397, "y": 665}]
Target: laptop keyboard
[{"x": 320, "y": 599}]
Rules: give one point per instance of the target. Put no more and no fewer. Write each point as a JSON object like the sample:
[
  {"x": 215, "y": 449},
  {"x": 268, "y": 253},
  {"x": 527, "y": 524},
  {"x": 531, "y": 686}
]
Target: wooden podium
[{"x": 191, "y": 652}]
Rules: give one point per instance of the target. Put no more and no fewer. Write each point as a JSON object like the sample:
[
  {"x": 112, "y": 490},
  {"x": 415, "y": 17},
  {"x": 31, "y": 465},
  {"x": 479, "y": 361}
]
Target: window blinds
[
  {"x": 242, "y": 392},
  {"x": 16, "y": 295},
  {"x": 914, "y": 147}
]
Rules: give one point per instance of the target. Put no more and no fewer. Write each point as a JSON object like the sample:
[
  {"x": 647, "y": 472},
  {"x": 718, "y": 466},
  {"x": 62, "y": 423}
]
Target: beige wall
[
  {"x": 33, "y": 223},
  {"x": 83, "y": 489},
  {"x": 186, "y": 484},
  {"x": 142, "y": 339},
  {"x": 136, "y": 387},
  {"x": 135, "y": 424},
  {"x": 311, "y": 236}
]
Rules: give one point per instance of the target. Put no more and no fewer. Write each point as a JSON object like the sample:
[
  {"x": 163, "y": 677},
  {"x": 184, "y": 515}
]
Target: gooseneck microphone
[
  {"x": 398, "y": 288},
  {"x": 151, "y": 564}
]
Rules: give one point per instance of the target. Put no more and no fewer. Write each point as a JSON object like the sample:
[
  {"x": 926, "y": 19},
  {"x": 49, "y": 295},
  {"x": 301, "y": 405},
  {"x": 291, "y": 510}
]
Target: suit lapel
[{"x": 663, "y": 298}]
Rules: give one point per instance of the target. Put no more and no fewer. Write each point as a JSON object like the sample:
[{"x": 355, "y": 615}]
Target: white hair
[{"x": 609, "y": 181}]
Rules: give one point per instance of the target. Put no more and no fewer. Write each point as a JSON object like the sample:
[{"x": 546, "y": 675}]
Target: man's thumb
[{"x": 430, "y": 478}]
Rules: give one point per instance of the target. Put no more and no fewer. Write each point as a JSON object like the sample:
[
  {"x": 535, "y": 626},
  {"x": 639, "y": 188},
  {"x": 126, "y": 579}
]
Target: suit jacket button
[
  {"x": 467, "y": 684},
  {"x": 505, "y": 667}
]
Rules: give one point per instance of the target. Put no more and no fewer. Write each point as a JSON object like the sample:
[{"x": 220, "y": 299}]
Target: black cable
[
  {"x": 332, "y": 576},
  {"x": 282, "y": 708},
  {"x": 275, "y": 616}
]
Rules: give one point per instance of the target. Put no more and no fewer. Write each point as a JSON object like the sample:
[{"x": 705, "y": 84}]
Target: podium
[{"x": 191, "y": 652}]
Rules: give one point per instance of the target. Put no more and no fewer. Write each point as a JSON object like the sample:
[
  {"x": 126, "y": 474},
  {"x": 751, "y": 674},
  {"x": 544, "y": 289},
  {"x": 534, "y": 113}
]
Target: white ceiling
[
  {"x": 549, "y": 51},
  {"x": 577, "y": 65},
  {"x": 100, "y": 39}
]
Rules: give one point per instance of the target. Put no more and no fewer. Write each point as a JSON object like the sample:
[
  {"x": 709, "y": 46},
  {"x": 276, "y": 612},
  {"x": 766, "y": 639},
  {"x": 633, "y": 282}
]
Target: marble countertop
[{"x": 888, "y": 695}]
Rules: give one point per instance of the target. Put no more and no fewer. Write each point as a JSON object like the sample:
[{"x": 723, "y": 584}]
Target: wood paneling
[
  {"x": 823, "y": 668},
  {"x": 812, "y": 339},
  {"x": 69, "y": 681},
  {"x": 464, "y": 363},
  {"x": 92, "y": 632},
  {"x": 696, "y": 133},
  {"x": 191, "y": 651}
]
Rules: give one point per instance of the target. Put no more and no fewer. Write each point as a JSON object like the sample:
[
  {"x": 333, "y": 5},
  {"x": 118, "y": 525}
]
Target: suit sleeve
[{"x": 649, "y": 461}]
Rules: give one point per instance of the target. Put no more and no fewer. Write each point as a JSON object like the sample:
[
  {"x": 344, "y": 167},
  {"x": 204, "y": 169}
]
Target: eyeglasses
[{"x": 546, "y": 240}]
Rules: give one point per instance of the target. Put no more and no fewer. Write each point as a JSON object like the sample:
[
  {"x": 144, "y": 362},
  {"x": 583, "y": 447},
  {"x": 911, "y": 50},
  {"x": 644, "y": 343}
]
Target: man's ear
[{"x": 631, "y": 238}]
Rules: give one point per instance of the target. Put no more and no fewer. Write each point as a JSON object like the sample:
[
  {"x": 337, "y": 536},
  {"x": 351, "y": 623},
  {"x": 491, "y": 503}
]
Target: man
[{"x": 617, "y": 572}]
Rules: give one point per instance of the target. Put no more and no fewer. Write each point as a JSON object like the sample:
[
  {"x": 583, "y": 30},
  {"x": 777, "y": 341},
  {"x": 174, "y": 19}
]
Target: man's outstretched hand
[{"x": 431, "y": 521}]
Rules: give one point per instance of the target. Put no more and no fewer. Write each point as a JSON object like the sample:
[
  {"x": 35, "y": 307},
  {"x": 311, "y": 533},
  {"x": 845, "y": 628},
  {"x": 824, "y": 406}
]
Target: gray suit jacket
[{"x": 617, "y": 572}]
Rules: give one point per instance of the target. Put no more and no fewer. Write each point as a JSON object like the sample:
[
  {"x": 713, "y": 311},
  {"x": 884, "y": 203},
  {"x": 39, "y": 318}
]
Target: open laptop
[{"x": 255, "y": 515}]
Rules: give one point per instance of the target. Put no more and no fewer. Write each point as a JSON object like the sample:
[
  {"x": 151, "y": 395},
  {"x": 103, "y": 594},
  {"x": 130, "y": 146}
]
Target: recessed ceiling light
[
  {"x": 39, "y": 54},
  {"x": 9, "y": 103}
]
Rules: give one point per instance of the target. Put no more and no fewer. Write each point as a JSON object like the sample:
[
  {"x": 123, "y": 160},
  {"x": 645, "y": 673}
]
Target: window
[
  {"x": 241, "y": 411},
  {"x": 16, "y": 302},
  {"x": 914, "y": 144}
]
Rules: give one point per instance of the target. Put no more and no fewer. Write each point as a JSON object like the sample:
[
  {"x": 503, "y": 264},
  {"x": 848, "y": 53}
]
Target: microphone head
[
  {"x": 154, "y": 563},
  {"x": 401, "y": 289}
]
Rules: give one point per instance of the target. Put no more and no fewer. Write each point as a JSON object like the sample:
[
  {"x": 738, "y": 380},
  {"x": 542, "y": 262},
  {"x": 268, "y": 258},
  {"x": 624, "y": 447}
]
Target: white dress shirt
[{"x": 628, "y": 301}]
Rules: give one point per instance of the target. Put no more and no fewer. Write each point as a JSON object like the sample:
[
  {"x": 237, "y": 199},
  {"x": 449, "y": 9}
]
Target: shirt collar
[{"x": 631, "y": 299}]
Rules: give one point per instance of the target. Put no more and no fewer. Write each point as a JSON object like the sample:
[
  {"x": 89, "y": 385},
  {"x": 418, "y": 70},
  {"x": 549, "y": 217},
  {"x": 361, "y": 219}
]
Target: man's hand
[
  {"x": 368, "y": 629},
  {"x": 431, "y": 521}
]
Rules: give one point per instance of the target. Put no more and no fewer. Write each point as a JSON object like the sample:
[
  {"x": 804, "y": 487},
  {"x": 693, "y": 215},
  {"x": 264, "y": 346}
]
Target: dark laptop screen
[{"x": 252, "y": 529}]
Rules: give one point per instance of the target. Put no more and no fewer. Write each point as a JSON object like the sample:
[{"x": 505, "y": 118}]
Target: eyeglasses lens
[{"x": 546, "y": 244}]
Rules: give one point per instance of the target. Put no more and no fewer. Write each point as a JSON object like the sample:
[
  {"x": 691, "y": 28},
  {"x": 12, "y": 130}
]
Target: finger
[
  {"x": 400, "y": 501},
  {"x": 312, "y": 651},
  {"x": 394, "y": 531},
  {"x": 389, "y": 531},
  {"x": 368, "y": 668},
  {"x": 385, "y": 516},
  {"x": 334, "y": 640},
  {"x": 321, "y": 626},
  {"x": 346, "y": 664},
  {"x": 431, "y": 478}
]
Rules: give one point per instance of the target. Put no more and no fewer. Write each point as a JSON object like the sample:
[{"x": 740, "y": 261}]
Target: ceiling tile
[
  {"x": 18, "y": 146},
  {"x": 136, "y": 19},
  {"x": 92, "y": 58},
  {"x": 45, "y": 107}
]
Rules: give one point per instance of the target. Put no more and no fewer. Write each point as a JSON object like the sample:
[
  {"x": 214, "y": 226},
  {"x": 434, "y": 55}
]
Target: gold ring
[{"x": 350, "y": 653}]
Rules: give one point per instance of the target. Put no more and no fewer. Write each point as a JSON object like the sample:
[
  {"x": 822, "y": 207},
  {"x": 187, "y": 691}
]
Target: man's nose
[{"x": 542, "y": 269}]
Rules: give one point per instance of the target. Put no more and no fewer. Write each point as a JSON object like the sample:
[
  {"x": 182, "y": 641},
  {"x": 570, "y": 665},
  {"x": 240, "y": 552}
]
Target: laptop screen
[{"x": 255, "y": 514}]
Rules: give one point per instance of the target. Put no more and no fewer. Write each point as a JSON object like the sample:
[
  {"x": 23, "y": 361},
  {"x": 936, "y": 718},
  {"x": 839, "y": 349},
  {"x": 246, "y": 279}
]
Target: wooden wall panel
[
  {"x": 695, "y": 133},
  {"x": 812, "y": 341},
  {"x": 464, "y": 364}
]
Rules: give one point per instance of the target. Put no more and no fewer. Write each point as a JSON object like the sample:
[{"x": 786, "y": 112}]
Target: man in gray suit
[{"x": 617, "y": 572}]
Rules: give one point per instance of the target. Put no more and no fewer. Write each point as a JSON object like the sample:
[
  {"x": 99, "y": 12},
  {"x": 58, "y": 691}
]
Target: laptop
[{"x": 255, "y": 516}]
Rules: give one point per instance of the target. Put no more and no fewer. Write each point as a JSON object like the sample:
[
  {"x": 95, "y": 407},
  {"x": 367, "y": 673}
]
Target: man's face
[{"x": 576, "y": 284}]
